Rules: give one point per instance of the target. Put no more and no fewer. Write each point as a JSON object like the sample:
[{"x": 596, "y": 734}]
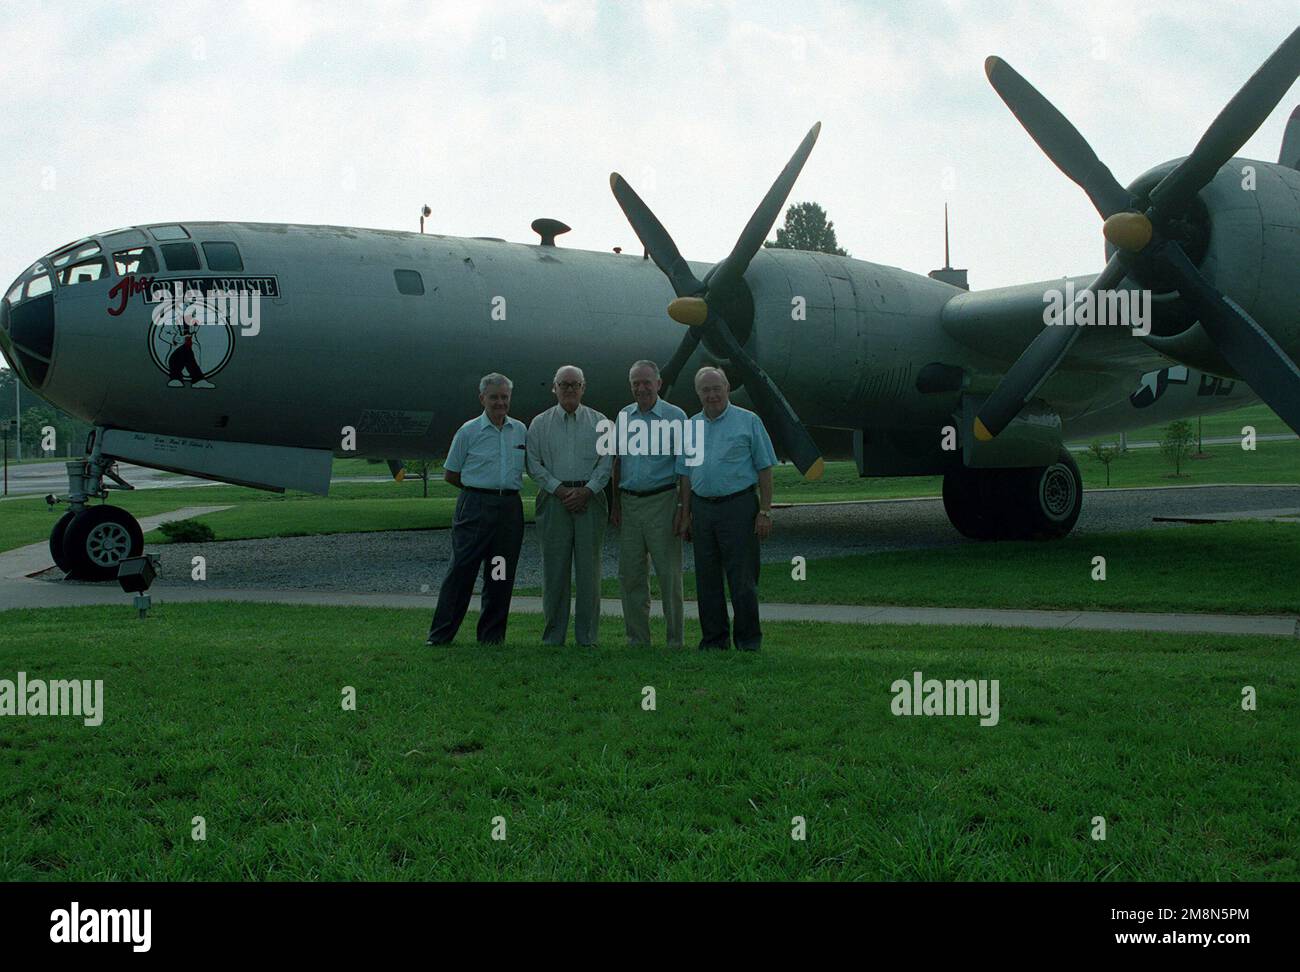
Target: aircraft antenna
[
  {"x": 947, "y": 264},
  {"x": 948, "y": 274}
]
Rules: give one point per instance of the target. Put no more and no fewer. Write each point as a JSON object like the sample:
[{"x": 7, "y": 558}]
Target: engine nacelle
[{"x": 1244, "y": 232}]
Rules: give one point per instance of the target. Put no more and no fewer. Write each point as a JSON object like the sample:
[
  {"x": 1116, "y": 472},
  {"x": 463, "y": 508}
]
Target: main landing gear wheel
[
  {"x": 97, "y": 540},
  {"x": 1040, "y": 503}
]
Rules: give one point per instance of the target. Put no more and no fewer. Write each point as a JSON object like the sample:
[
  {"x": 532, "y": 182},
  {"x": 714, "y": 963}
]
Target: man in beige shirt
[{"x": 571, "y": 510}]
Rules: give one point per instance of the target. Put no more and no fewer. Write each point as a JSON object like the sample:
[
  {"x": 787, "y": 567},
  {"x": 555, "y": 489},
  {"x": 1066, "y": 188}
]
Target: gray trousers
[
  {"x": 646, "y": 536},
  {"x": 485, "y": 527},
  {"x": 727, "y": 547},
  {"x": 571, "y": 545}
]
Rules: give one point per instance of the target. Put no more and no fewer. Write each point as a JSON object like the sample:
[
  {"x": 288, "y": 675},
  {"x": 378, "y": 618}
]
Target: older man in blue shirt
[
  {"x": 486, "y": 462},
  {"x": 723, "y": 514},
  {"x": 649, "y": 437}
]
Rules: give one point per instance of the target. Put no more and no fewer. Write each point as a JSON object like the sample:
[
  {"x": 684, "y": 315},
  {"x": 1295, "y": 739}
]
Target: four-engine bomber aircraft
[{"x": 376, "y": 339}]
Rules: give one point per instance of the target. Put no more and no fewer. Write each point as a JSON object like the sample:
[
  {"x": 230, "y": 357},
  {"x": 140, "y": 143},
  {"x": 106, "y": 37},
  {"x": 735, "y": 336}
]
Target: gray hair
[
  {"x": 581, "y": 376},
  {"x": 711, "y": 368},
  {"x": 488, "y": 380},
  {"x": 643, "y": 363}
]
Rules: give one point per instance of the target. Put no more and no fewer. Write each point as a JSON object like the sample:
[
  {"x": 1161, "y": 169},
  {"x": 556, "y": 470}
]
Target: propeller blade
[
  {"x": 1231, "y": 129},
  {"x": 1059, "y": 139},
  {"x": 1253, "y": 354},
  {"x": 663, "y": 251},
  {"x": 728, "y": 273},
  {"x": 772, "y": 405},
  {"x": 690, "y": 341},
  {"x": 397, "y": 468},
  {"x": 1037, "y": 362}
]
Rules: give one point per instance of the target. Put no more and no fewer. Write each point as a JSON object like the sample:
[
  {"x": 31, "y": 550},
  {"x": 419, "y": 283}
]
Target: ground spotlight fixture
[{"x": 135, "y": 575}]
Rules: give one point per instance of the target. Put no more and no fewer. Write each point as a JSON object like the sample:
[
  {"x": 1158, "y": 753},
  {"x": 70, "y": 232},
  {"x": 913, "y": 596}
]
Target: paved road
[
  {"x": 1208, "y": 440},
  {"x": 413, "y": 562},
  {"x": 39, "y": 478}
]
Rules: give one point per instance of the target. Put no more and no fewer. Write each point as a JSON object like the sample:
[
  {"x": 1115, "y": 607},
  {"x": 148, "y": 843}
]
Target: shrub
[{"x": 186, "y": 531}]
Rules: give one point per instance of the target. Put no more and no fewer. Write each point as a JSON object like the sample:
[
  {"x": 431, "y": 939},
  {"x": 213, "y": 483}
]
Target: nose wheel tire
[{"x": 97, "y": 540}]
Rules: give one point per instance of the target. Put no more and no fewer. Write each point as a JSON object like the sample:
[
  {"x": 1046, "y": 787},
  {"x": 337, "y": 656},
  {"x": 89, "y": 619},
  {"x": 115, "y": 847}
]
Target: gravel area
[{"x": 414, "y": 561}]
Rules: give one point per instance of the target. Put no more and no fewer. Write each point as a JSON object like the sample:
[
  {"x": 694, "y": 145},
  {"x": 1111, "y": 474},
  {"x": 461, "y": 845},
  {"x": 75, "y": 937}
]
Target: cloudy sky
[{"x": 496, "y": 113}]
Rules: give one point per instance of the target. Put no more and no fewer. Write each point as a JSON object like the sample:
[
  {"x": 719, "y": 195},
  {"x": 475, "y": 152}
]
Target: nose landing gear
[{"x": 89, "y": 542}]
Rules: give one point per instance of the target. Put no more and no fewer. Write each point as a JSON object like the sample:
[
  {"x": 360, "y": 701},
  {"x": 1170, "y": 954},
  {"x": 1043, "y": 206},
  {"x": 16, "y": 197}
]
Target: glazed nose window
[{"x": 37, "y": 286}]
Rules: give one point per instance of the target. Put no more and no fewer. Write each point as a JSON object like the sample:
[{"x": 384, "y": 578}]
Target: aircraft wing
[{"x": 1001, "y": 323}]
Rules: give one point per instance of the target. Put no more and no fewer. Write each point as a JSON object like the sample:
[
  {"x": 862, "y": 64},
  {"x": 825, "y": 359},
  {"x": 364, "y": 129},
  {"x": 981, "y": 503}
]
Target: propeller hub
[
  {"x": 1128, "y": 231},
  {"x": 691, "y": 311}
]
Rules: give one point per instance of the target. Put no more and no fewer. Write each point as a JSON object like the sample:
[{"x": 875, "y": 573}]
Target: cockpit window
[
  {"x": 180, "y": 256},
  {"x": 75, "y": 253},
  {"x": 138, "y": 259},
  {"x": 67, "y": 247},
  {"x": 14, "y": 294},
  {"x": 38, "y": 285},
  {"x": 223, "y": 257},
  {"x": 121, "y": 239},
  {"x": 83, "y": 272},
  {"x": 171, "y": 232}
]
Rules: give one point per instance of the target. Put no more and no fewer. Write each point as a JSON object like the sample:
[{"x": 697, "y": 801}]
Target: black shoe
[{"x": 430, "y": 643}]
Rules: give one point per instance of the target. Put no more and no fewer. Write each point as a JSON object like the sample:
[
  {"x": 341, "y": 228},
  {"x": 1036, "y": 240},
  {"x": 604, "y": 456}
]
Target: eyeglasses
[{"x": 569, "y": 385}]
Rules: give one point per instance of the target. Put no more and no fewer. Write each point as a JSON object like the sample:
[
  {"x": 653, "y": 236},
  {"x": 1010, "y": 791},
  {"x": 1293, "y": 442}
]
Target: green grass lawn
[
  {"x": 1211, "y": 568},
  {"x": 385, "y": 506},
  {"x": 366, "y": 467},
  {"x": 1263, "y": 418},
  {"x": 233, "y": 713},
  {"x": 349, "y": 507}
]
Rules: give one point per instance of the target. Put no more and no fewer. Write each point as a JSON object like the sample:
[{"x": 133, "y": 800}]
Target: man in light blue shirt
[
  {"x": 648, "y": 439},
  {"x": 486, "y": 463},
  {"x": 722, "y": 513}
]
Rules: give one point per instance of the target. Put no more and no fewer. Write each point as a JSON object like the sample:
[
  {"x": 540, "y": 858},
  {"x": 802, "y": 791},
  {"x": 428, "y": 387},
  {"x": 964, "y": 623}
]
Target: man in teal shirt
[
  {"x": 486, "y": 463},
  {"x": 649, "y": 437},
  {"x": 723, "y": 514}
]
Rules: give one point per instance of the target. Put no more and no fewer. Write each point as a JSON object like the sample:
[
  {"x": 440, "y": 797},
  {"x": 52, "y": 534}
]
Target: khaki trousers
[
  {"x": 645, "y": 537},
  {"x": 571, "y": 543}
]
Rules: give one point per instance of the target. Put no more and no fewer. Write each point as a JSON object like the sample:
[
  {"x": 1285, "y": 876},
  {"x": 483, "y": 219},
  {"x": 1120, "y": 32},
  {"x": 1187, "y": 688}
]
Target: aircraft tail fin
[{"x": 1290, "y": 154}]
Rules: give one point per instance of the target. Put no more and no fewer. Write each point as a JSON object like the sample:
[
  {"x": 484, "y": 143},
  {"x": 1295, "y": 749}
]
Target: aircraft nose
[{"x": 27, "y": 327}]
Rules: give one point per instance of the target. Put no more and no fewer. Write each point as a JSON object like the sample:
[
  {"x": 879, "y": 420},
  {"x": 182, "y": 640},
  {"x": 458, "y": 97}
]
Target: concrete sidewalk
[{"x": 29, "y": 593}]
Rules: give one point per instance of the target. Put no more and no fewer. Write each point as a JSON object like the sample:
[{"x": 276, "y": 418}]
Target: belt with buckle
[
  {"x": 491, "y": 492},
  {"x": 574, "y": 484},
  {"x": 748, "y": 490},
  {"x": 648, "y": 492}
]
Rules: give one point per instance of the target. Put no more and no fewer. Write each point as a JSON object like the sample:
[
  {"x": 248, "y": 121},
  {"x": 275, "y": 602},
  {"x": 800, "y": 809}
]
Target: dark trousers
[
  {"x": 726, "y": 546},
  {"x": 485, "y": 527},
  {"x": 182, "y": 361}
]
